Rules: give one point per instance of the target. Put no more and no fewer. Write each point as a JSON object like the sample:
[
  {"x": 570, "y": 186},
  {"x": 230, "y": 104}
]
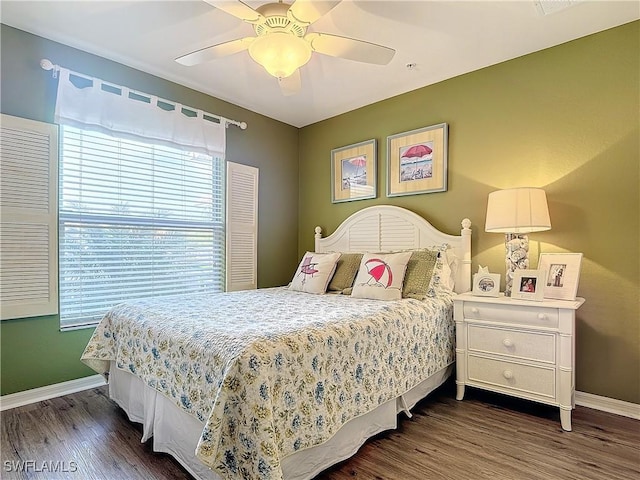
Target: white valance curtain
[{"x": 91, "y": 103}]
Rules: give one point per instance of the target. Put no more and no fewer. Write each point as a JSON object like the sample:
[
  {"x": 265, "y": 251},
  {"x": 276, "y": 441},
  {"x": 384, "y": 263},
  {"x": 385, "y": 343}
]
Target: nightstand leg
[
  {"x": 459, "y": 391},
  {"x": 565, "y": 419}
]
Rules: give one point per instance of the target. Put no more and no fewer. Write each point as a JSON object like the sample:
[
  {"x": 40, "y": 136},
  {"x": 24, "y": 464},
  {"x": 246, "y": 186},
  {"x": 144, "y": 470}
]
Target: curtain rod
[{"x": 46, "y": 64}]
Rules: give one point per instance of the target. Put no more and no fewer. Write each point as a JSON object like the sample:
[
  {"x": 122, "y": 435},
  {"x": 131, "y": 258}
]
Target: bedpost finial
[
  {"x": 466, "y": 224},
  {"x": 318, "y": 231}
]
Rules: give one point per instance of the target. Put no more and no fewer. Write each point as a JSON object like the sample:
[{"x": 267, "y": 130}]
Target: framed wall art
[
  {"x": 528, "y": 284},
  {"x": 353, "y": 172},
  {"x": 563, "y": 274},
  {"x": 417, "y": 161}
]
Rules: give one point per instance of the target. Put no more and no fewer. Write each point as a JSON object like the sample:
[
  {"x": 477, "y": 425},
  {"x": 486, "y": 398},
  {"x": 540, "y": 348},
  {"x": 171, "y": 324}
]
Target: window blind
[{"x": 136, "y": 220}]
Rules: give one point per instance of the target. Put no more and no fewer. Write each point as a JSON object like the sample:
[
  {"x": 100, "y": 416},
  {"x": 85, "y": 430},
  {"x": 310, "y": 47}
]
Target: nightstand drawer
[
  {"x": 513, "y": 376},
  {"x": 524, "y": 315},
  {"x": 514, "y": 343}
]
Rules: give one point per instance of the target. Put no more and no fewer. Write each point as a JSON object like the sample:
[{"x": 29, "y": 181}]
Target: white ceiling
[{"x": 443, "y": 38}]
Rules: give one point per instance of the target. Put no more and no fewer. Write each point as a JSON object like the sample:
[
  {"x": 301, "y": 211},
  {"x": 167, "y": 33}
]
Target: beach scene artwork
[
  {"x": 416, "y": 162},
  {"x": 354, "y": 172}
]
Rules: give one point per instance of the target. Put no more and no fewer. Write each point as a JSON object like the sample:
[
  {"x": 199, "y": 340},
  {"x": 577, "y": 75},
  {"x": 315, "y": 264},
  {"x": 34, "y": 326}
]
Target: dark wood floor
[{"x": 86, "y": 436}]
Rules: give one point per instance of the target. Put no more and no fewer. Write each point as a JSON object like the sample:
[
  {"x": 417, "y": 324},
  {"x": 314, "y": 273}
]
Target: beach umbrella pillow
[
  {"x": 381, "y": 275},
  {"x": 314, "y": 272}
]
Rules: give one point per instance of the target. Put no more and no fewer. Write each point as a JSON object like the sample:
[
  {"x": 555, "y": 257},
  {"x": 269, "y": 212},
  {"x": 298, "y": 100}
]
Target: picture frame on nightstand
[
  {"x": 563, "y": 274},
  {"x": 528, "y": 284},
  {"x": 486, "y": 284}
]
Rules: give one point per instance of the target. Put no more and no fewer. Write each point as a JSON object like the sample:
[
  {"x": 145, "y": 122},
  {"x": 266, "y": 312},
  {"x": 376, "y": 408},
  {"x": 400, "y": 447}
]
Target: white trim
[
  {"x": 13, "y": 400},
  {"x": 606, "y": 404},
  {"x": 34, "y": 395}
]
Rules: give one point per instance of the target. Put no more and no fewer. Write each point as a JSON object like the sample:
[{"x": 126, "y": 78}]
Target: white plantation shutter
[
  {"x": 28, "y": 203},
  {"x": 242, "y": 227},
  {"x": 137, "y": 220}
]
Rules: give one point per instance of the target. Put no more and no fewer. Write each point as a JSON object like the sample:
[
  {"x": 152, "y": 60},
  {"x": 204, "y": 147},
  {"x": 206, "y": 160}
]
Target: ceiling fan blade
[
  {"x": 350, "y": 48},
  {"x": 215, "y": 51},
  {"x": 307, "y": 12},
  {"x": 237, "y": 9},
  {"x": 290, "y": 85}
]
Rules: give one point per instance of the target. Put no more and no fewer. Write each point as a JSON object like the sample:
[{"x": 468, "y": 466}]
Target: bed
[{"x": 278, "y": 383}]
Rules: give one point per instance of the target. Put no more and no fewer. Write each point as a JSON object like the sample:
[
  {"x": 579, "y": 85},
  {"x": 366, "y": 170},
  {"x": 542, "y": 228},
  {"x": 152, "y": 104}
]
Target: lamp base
[{"x": 517, "y": 257}]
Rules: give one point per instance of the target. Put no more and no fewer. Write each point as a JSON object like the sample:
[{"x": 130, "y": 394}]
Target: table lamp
[{"x": 516, "y": 212}]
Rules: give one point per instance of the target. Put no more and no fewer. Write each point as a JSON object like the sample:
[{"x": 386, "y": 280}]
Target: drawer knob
[
  {"x": 474, "y": 310},
  {"x": 508, "y": 374},
  {"x": 542, "y": 316},
  {"x": 507, "y": 342}
]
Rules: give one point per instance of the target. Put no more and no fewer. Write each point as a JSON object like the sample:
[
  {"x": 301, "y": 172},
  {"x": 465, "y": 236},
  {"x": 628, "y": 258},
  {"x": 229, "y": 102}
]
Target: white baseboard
[
  {"x": 606, "y": 404},
  {"x": 34, "y": 395}
]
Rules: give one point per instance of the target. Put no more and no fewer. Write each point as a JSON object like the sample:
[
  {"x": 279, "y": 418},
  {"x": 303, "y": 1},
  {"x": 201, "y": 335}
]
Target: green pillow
[
  {"x": 346, "y": 270},
  {"x": 418, "y": 274}
]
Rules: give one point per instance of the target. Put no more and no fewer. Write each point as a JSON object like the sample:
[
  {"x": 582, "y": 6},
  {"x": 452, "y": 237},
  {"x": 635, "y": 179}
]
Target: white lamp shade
[{"x": 517, "y": 210}]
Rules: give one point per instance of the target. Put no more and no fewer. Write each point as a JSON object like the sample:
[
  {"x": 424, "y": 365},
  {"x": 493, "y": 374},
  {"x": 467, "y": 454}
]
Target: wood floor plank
[{"x": 486, "y": 436}]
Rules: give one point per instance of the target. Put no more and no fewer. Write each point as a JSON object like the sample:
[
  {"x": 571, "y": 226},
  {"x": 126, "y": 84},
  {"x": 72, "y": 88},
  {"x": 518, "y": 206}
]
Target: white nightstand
[{"x": 517, "y": 347}]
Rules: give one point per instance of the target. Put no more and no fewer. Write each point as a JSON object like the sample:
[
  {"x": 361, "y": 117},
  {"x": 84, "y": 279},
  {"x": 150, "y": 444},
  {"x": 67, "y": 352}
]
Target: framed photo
[
  {"x": 486, "y": 284},
  {"x": 417, "y": 161},
  {"x": 353, "y": 172},
  {"x": 563, "y": 274},
  {"x": 528, "y": 284}
]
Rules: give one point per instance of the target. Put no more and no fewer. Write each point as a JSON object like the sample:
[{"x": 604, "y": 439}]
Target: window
[{"x": 136, "y": 220}]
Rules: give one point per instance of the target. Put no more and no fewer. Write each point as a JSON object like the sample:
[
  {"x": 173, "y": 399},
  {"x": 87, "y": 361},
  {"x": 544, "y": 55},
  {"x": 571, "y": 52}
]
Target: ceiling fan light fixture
[{"x": 280, "y": 53}]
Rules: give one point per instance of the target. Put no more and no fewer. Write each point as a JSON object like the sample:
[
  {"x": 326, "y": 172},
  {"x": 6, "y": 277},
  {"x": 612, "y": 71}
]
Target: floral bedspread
[{"x": 273, "y": 371}]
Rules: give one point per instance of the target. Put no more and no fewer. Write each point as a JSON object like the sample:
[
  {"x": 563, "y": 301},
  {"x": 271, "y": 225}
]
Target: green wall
[
  {"x": 33, "y": 352},
  {"x": 565, "y": 119}
]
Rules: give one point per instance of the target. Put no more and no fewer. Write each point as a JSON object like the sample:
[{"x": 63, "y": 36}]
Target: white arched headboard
[{"x": 384, "y": 228}]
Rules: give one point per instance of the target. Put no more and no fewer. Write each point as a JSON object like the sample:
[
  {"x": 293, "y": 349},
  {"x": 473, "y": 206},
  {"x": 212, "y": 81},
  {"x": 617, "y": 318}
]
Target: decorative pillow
[
  {"x": 314, "y": 272},
  {"x": 346, "y": 270},
  {"x": 418, "y": 275},
  {"x": 452, "y": 263},
  {"x": 381, "y": 275},
  {"x": 444, "y": 272}
]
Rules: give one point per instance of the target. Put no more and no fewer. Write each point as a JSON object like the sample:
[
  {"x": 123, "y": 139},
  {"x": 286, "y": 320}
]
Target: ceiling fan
[{"x": 282, "y": 44}]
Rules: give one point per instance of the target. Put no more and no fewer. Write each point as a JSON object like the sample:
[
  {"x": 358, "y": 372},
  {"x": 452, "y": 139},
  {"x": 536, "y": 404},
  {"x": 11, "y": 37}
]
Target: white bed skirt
[{"x": 175, "y": 432}]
